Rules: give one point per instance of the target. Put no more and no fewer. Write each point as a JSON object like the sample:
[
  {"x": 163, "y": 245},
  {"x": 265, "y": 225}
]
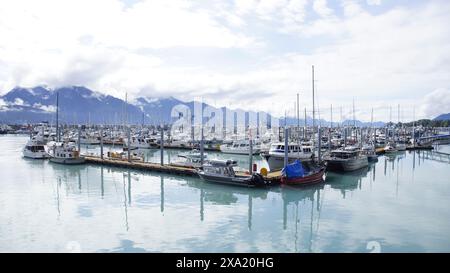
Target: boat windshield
[
  {"x": 36, "y": 148},
  {"x": 225, "y": 171},
  {"x": 344, "y": 155}
]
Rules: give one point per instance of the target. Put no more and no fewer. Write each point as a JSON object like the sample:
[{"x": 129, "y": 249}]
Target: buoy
[{"x": 263, "y": 171}]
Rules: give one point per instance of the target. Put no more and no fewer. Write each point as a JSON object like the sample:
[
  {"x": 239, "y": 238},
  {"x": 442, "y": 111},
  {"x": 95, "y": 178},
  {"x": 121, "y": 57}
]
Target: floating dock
[
  {"x": 139, "y": 165},
  {"x": 273, "y": 177}
]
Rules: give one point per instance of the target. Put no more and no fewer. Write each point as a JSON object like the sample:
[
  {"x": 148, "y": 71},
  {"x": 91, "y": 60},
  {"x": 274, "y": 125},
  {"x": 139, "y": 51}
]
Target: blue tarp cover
[{"x": 293, "y": 170}]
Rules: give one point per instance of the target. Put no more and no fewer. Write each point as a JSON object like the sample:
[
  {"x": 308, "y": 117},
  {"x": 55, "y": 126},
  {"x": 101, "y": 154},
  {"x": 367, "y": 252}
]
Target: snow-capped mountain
[
  {"x": 76, "y": 104},
  {"x": 80, "y": 105}
]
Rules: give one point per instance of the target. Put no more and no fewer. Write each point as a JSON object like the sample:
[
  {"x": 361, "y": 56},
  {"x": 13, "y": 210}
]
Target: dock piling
[
  {"x": 202, "y": 148},
  {"x": 286, "y": 145},
  {"x": 79, "y": 138},
  {"x": 319, "y": 154},
  {"x": 162, "y": 145},
  {"x": 101, "y": 142},
  {"x": 250, "y": 156},
  {"x": 129, "y": 143}
]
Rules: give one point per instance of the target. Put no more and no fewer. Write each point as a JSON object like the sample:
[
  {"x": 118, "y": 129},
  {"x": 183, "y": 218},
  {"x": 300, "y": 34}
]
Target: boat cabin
[
  {"x": 292, "y": 148},
  {"x": 344, "y": 154},
  {"x": 220, "y": 167}
]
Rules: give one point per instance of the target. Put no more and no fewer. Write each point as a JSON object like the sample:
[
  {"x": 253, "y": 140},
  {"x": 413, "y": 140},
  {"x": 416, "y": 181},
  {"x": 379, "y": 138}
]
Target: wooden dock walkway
[
  {"x": 155, "y": 167},
  {"x": 138, "y": 165}
]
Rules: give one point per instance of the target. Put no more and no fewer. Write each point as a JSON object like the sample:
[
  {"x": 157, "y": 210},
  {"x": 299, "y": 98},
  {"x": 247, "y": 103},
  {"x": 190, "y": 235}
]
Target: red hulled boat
[{"x": 294, "y": 174}]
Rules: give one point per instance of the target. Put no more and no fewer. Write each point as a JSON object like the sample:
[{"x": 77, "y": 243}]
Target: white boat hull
[
  {"x": 240, "y": 152},
  {"x": 35, "y": 155},
  {"x": 276, "y": 162}
]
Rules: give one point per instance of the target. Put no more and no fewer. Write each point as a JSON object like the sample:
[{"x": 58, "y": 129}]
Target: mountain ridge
[{"x": 81, "y": 105}]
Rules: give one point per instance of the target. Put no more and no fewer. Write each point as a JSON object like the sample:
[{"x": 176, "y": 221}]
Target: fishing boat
[
  {"x": 124, "y": 156},
  {"x": 275, "y": 156},
  {"x": 35, "y": 148},
  {"x": 346, "y": 160},
  {"x": 296, "y": 174},
  {"x": 191, "y": 159},
  {"x": 222, "y": 172},
  {"x": 194, "y": 155},
  {"x": 369, "y": 150},
  {"x": 139, "y": 142},
  {"x": 400, "y": 145},
  {"x": 241, "y": 147},
  {"x": 390, "y": 148},
  {"x": 89, "y": 140},
  {"x": 64, "y": 153}
]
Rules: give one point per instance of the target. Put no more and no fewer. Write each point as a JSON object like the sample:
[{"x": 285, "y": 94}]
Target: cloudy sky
[{"x": 244, "y": 53}]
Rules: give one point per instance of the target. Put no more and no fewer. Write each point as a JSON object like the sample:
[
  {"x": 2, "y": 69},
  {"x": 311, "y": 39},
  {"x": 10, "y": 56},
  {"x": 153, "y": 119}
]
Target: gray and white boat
[
  {"x": 275, "y": 156},
  {"x": 222, "y": 172},
  {"x": 346, "y": 160},
  {"x": 64, "y": 153}
]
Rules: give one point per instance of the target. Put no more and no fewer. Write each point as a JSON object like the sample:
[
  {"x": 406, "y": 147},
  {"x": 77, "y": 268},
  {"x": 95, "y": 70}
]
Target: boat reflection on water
[
  {"x": 348, "y": 181},
  {"x": 297, "y": 215},
  {"x": 225, "y": 195},
  {"x": 306, "y": 203}
]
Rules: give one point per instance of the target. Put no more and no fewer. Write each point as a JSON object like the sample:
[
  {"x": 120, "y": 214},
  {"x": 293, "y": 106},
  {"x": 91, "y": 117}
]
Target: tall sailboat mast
[
  {"x": 313, "y": 102},
  {"x": 126, "y": 112},
  {"x": 372, "y": 131},
  {"x": 298, "y": 122},
  {"x": 298, "y": 113},
  {"x": 57, "y": 118},
  {"x": 331, "y": 111},
  {"x": 354, "y": 118},
  {"x": 304, "y": 129}
]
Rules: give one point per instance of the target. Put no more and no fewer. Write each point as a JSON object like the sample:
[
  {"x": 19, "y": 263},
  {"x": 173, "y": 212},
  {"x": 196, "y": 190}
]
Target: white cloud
[
  {"x": 436, "y": 103},
  {"x": 380, "y": 60},
  {"x": 19, "y": 102},
  {"x": 373, "y": 2},
  {"x": 46, "y": 108},
  {"x": 321, "y": 8}
]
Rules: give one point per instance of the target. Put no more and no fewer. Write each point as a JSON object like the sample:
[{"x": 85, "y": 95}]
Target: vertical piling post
[
  {"x": 304, "y": 129},
  {"x": 319, "y": 152},
  {"x": 202, "y": 147},
  {"x": 57, "y": 117},
  {"x": 286, "y": 145},
  {"x": 129, "y": 143},
  {"x": 162, "y": 145},
  {"x": 79, "y": 138},
  {"x": 101, "y": 142},
  {"x": 250, "y": 156},
  {"x": 362, "y": 137},
  {"x": 345, "y": 136},
  {"x": 329, "y": 140}
]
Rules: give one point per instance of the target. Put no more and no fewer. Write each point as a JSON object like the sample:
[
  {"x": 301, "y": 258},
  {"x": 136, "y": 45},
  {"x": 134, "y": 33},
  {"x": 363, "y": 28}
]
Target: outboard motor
[{"x": 257, "y": 180}]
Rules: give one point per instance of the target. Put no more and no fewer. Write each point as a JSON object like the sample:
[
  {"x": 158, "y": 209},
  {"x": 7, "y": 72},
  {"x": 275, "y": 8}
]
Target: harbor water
[{"x": 399, "y": 204}]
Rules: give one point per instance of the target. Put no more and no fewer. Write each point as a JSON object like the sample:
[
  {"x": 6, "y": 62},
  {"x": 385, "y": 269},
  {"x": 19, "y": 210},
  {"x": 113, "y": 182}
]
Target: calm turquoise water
[{"x": 400, "y": 204}]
